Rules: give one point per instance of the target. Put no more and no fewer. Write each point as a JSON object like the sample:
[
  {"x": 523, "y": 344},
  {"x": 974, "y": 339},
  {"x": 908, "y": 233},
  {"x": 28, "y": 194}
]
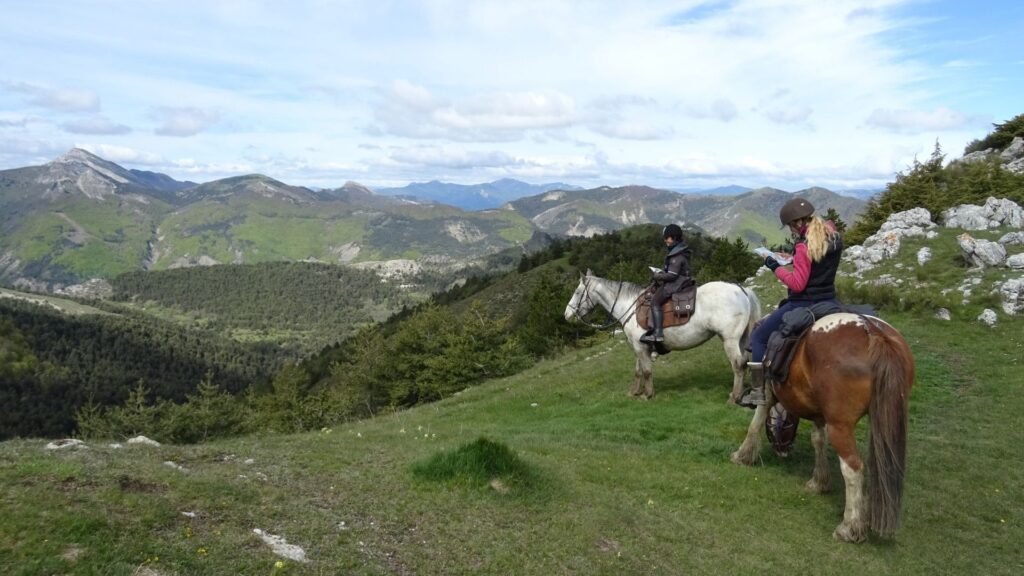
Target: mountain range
[
  {"x": 81, "y": 217},
  {"x": 473, "y": 196}
]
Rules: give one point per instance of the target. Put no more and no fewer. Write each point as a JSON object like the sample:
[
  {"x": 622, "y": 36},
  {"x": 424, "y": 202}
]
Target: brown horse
[{"x": 846, "y": 366}]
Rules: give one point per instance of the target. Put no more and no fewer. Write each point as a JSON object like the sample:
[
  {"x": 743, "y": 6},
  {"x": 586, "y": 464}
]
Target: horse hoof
[
  {"x": 850, "y": 532},
  {"x": 738, "y": 457},
  {"x": 812, "y": 485}
]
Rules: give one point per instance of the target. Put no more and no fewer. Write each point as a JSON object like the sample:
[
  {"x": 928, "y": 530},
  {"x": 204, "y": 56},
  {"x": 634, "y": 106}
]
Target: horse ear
[{"x": 590, "y": 272}]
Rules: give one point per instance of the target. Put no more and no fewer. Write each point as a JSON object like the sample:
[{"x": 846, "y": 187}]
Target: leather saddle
[{"x": 677, "y": 310}]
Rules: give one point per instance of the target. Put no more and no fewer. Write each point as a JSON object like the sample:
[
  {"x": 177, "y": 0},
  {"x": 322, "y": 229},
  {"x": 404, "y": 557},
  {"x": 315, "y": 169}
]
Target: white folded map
[
  {"x": 766, "y": 253},
  {"x": 655, "y": 270}
]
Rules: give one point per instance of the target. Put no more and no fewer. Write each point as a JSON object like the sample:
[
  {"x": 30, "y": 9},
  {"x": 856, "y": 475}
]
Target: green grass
[
  {"x": 67, "y": 306},
  {"x": 623, "y": 486},
  {"x": 481, "y": 463}
]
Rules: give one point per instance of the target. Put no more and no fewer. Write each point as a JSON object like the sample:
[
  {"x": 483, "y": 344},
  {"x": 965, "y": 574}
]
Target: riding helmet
[
  {"x": 795, "y": 209},
  {"x": 672, "y": 231}
]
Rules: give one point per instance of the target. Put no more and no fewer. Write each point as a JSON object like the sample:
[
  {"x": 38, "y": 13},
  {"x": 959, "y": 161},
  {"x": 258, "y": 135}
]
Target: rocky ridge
[
  {"x": 1006, "y": 253},
  {"x": 1012, "y": 156}
]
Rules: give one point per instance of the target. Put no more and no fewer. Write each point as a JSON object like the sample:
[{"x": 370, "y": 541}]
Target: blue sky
[{"x": 674, "y": 94}]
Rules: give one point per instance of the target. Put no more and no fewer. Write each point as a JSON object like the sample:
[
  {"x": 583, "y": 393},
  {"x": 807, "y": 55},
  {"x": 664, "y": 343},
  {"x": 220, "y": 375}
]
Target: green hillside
[
  {"x": 612, "y": 485},
  {"x": 80, "y": 237}
]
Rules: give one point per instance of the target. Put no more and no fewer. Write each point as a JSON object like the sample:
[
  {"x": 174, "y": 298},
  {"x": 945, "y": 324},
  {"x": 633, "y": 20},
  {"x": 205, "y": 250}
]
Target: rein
[{"x": 630, "y": 311}]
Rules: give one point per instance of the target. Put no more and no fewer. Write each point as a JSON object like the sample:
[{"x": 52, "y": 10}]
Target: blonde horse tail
[{"x": 892, "y": 377}]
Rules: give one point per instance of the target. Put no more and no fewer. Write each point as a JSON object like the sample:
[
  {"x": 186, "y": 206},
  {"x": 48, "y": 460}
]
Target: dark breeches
[
  {"x": 660, "y": 296},
  {"x": 759, "y": 338}
]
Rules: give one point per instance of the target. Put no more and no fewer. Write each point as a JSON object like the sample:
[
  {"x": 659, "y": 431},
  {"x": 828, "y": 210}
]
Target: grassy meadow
[{"x": 596, "y": 482}]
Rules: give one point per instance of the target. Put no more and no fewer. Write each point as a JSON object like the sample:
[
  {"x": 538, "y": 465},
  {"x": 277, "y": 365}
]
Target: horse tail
[
  {"x": 892, "y": 376},
  {"x": 753, "y": 316}
]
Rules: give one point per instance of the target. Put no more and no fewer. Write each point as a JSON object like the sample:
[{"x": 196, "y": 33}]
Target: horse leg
[
  {"x": 820, "y": 480},
  {"x": 854, "y": 527},
  {"x": 643, "y": 377},
  {"x": 751, "y": 447},
  {"x": 738, "y": 361}
]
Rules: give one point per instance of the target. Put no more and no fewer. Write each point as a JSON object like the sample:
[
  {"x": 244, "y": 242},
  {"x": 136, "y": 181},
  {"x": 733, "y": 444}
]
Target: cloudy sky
[{"x": 669, "y": 93}]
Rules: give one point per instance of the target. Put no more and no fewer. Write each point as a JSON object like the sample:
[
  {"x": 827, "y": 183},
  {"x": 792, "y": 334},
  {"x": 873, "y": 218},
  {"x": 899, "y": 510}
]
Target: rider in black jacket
[{"x": 670, "y": 279}]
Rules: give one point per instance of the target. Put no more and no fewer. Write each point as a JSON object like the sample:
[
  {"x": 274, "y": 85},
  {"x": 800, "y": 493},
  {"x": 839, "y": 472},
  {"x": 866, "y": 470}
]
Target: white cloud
[
  {"x": 183, "y": 122},
  {"x": 607, "y": 92},
  {"x": 962, "y": 63},
  {"x": 433, "y": 156},
  {"x": 63, "y": 99},
  {"x": 119, "y": 154},
  {"x": 410, "y": 110},
  {"x": 797, "y": 114},
  {"x": 95, "y": 125},
  {"x": 917, "y": 121},
  {"x": 722, "y": 109},
  {"x": 632, "y": 130},
  {"x": 13, "y": 121}
]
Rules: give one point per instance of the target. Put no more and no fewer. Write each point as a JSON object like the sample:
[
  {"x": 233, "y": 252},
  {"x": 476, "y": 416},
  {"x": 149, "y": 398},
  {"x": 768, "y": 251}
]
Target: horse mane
[{"x": 624, "y": 288}]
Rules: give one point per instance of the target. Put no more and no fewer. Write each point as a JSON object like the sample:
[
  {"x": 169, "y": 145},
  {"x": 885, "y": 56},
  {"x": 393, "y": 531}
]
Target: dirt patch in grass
[{"x": 128, "y": 484}]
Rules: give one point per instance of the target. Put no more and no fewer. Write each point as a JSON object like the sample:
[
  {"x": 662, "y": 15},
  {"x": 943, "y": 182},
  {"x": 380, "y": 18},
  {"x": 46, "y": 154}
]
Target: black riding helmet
[
  {"x": 672, "y": 231},
  {"x": 795, "y": 209}
]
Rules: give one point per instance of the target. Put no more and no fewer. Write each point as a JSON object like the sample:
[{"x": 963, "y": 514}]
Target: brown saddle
[{"x": 677, "y": 309}]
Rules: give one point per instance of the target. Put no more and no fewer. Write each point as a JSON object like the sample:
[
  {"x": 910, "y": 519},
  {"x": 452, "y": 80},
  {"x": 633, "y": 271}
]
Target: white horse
[{"x": 726, "y": 310}]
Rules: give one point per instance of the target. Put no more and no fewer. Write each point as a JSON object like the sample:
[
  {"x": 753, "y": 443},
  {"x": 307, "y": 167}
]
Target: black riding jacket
[{"x": 676, "y": 272}]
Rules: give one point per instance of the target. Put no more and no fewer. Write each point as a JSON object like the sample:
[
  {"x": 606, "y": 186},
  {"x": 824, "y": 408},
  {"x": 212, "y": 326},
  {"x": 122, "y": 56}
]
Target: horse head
[{"x": 581, "y": 303}]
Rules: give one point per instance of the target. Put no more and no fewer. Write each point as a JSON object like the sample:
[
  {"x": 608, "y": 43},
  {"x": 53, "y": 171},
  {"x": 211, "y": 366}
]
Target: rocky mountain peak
[
  {"x": 78, "y": 155},
  {"x": 79, "y": 171},
  {"x": 351, "y": 186}
]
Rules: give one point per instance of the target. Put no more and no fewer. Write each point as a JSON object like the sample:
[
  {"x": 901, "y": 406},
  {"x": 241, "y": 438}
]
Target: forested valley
[{"x": 186, "y": 355}]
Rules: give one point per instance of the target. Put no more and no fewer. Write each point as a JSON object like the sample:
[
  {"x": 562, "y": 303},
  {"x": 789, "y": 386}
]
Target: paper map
[{"x": 766, "y": 253}]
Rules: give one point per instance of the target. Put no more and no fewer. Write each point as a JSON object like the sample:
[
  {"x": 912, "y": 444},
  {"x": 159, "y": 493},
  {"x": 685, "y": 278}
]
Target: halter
[{"x": 586, "y": 294}]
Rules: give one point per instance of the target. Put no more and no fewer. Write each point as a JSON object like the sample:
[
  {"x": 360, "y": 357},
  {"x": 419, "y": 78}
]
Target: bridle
[{"x": 592, "y": 305}]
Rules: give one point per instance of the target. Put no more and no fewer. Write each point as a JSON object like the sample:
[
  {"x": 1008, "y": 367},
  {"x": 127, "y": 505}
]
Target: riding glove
[{"x": 771, "y": 263}]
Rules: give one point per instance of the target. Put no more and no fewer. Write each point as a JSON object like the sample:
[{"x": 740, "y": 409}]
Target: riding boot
[
  {"x": 754, "y": 396},
  {"x": 657, "y": 334}
]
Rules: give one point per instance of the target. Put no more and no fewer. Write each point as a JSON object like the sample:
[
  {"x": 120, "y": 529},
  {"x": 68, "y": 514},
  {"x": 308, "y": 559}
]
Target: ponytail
[{"x": 819, "y": 236}]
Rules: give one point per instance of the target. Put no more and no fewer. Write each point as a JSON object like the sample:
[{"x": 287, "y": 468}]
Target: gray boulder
[
  {"x": 1012, "y": 238},
  {"x": 977, "y": 156},
  {"x": 1016, "y": 262},
  {"x": 995, "y": 213},
  {"x": 886, "y": 242},
  {"x": 1017, "y": 166},
  {"x": 988, "y": 317},
  {"x": 981, "y": 253},
  {"x": 1012, "y": 293},
  {"x": 924, "y": 255},
  {"x": 1012, "y": 157},
  {"x": 1014, "y": 151}
]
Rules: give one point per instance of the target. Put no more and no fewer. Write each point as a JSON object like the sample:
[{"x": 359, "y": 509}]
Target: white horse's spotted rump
[{"x": 833, "y": 321}]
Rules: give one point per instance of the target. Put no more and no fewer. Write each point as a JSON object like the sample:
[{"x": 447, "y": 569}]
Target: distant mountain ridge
[
  {"x": 473, "y": 196},
  {"x": 81, "y": 217},
  {"x": 752, "y": 215}
]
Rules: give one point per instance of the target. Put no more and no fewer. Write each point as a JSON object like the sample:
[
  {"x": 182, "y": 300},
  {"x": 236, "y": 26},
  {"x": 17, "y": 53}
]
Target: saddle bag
[
  {"x": 684, "y": 301},
  {"x": 782, "y": 343}
]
